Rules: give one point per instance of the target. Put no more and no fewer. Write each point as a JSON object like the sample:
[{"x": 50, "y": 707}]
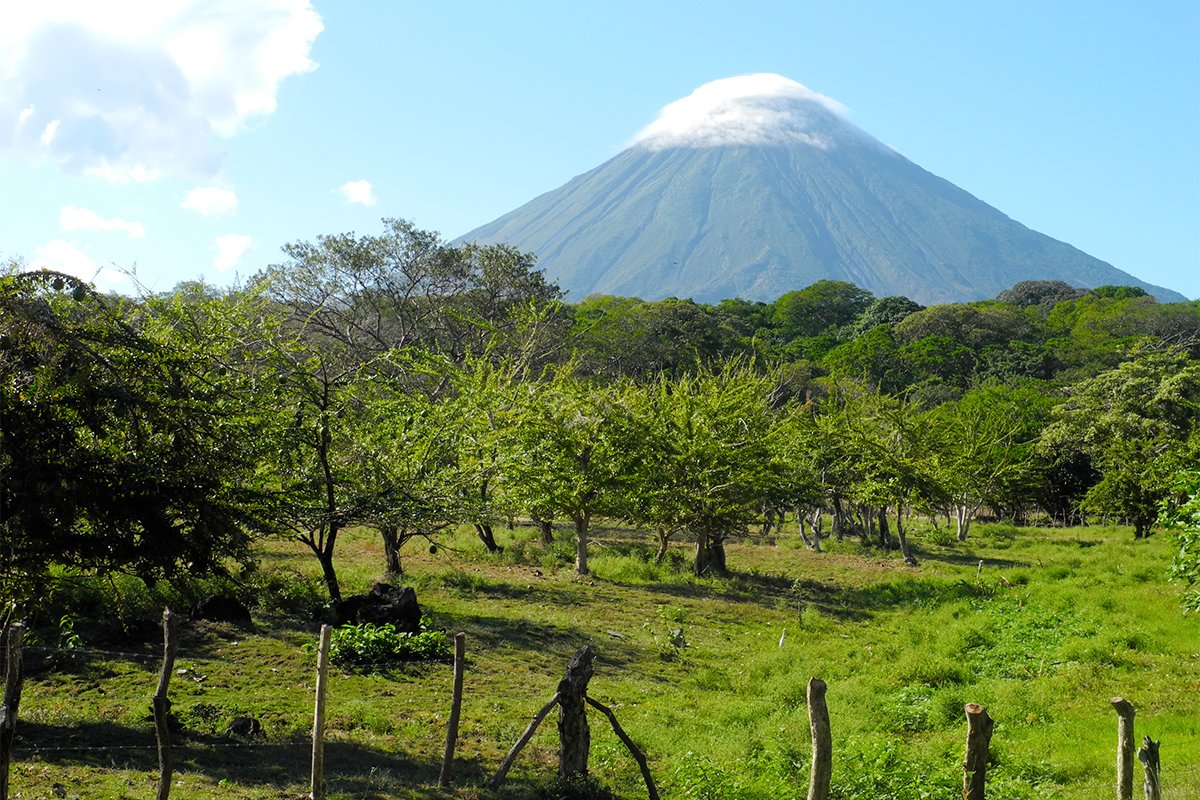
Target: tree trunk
[
  {"x": 710, "y": 555},
  {"x": 885, "y": 535},
  {"x": 664, "y": 539},
  {"x": 484, "y": 529},
  {"x": 909, "y": 558},
  {"x": 325, "y": 557},
  {"x": 391, "y": 550},
  {"x": 839, "y": 518},
  {"x": 582, "y": 522},
  {"x": 545, "y": 529},
  {"x": 574, "y": 738}
]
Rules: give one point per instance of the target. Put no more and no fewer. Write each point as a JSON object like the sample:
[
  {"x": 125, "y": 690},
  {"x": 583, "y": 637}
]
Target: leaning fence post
[
  {"x": 1148, "y": 755},
  {"x": 979, "y": 737},
  {"x": 460, "y": 647},
  {"x": 1125, "y": 747},
  {"x": 12, "y": 699},
  {"x": 318, "y": 737},
  {"x": 574, "y": 738},
  {"x": 161, "y": 706},
  {"x": 822, "y": 741}
]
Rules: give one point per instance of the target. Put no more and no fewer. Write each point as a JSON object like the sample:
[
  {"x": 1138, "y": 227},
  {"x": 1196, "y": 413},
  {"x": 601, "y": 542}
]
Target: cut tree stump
[
  {"x": 574, "y": 738},
  {"x": 979, "y": 738},
  {"x": 1125, "y": 747},
  {"x": 1148, "y": 755}
]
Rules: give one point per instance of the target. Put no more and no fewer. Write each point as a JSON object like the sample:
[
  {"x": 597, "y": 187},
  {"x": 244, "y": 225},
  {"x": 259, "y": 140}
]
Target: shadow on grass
[
  {"x": 351, "y": 768},
  {"x": 556, "y": 642}
]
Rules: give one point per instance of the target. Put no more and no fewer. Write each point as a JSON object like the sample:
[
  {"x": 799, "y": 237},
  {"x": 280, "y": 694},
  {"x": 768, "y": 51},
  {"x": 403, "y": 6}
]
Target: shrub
[{"x": 377, "y": 645}]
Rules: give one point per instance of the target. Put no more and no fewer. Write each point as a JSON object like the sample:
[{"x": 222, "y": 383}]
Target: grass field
[{"x": 700, "y": 672}]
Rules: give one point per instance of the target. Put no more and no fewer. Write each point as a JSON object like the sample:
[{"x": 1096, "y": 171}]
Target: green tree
[
  {"x": 706, "y": 463},
  {"x": 126, "y": 443},
  {"x": 1183, "y": 518},
  {"x": 823, "y": 305},
  {"x": 573, "y": 443},
  {"x": 1138, "y": 425}
]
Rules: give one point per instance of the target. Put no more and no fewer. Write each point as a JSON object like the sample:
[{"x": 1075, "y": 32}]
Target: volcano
[{"x": 755, "y": 186}]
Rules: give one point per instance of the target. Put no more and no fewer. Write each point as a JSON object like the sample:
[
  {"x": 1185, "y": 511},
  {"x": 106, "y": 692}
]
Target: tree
[
  {"x": 705, "y": 462},
  {"x": 983, "y": 447},
  {"x": 823, "y": 305},
  {"x": 127, "y": 443},
  {"x": 1039, "y": 293},
  {"x": 574, "y": 442},
  {"x": 1182, "y": 516},
  {"x": 1138, "y": 424}
]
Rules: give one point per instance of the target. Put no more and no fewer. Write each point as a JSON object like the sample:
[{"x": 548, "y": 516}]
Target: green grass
[{"x": 1055, "y": 624}]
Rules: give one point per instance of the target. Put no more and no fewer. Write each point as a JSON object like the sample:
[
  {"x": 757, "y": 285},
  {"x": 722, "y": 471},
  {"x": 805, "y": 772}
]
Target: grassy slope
[{"x": 1058, "y": 623}]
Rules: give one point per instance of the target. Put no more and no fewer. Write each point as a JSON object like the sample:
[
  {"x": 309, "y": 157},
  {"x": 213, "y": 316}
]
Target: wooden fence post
[
  {"x": 1125, "y": 747},
  {"x": 318, "y": 738},
  {"x": 574, "y": 738},
  {"x": 822, "y": 741},
  {"x": 12, "y": 699},
  {"x": 979, "y": 737},
  {"x": 161, "y": 706},
  {"x": 1148, "y": 755},
  {"x": 460, "y": 648}
]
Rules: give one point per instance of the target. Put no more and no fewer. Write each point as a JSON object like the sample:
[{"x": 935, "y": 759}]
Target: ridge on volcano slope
[{"x": 755, "y": 186}]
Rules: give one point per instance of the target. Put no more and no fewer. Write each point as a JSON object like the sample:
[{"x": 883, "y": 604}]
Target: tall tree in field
[
  {"x": 126, "y": 443},
  {"x": 983, "y": 446},
  {"x": 573, "y": 445},
  {"x": 1139, "y": 424},
  {"x": 707, "y": 462}
]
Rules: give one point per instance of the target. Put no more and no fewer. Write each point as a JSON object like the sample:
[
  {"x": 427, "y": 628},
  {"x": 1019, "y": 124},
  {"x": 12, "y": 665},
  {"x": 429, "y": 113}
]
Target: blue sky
[{"x": 193, "y": 138}]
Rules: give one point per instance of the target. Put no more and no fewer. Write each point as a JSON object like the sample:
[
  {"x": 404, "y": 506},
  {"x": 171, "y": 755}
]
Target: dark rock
[
  {"x": 244, "y": 728},
  {"x": 383, "y": 605},
  {"x": 221, "y": 608}
]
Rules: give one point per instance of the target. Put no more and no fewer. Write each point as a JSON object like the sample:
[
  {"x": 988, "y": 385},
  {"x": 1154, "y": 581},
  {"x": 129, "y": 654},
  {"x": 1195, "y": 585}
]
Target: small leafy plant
[{"x": 376, "y": 645}]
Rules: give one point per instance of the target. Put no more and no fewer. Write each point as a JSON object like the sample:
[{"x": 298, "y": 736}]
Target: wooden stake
[
  {"x": 1125, "y": 747},
  {"x": 161, "y": 705},
  {"x": 507, "y": 763},
  {"x": 822, "y": 741},
  {"x": 634, "y": 750},
  {"x": 979, "y": 737},
  {"x": 318, "y": 744},
  {"x": 12, "y": 699},
  {"x": 1148, "y": 755},
  {"x": 460, "y": 647}
]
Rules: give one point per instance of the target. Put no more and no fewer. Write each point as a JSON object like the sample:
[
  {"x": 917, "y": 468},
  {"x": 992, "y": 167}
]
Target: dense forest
[{"x": 403, "y": 384}]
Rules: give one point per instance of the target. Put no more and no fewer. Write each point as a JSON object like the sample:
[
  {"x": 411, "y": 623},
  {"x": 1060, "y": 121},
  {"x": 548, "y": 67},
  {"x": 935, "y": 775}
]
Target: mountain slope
[{"x": 719, "y": 208}]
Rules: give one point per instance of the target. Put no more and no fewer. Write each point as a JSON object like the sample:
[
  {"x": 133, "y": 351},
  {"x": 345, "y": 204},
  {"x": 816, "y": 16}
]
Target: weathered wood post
[
  {"x": 161, "y": 706},
  {"x": 1125, "y": 747},
  {"x": 574, "y": 738},
  {"x": 318, "y": 738},
  {"x": 460, "y": 649},
  {"x": 1148, "y": 755},
  {"x": 822, "y": 741},
  {"x": 12, "y": 699},
  {"x": 979, "y": 738}
]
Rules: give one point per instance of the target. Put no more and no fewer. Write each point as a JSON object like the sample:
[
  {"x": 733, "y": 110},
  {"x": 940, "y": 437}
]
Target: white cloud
[
  {"x": 763, "y": 108},
  {"x": 230, "y": 249},
  {"x": 358, "y": 192},
  {"x": 210, "y": 201},
  {"x": 63, "y": 256},
  {"x": 129, "y": 90},
  {"x": 72, "y": 218}
]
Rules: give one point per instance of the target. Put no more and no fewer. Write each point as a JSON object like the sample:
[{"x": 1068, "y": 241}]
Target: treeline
[{"x": 405, "y": 384}]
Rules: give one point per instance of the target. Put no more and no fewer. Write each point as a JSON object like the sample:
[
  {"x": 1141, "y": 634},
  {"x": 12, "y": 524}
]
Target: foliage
[
  {"x": 1184, "y": 521},
  {"x": 128, "y": 443},
  {"x": 368, "y": 645}
]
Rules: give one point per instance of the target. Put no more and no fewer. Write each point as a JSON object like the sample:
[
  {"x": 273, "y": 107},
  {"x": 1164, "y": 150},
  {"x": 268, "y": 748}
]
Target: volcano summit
[{"x": 756, "y": 185}]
